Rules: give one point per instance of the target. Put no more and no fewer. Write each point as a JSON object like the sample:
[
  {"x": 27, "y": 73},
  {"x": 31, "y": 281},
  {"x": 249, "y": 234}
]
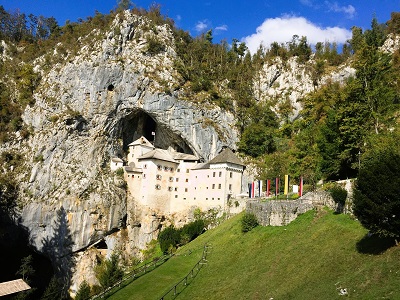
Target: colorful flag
[
  {"x": 301, "y": 186},
  {"x": 286, "y": 190},
  {"x": 276, "y": 186},
  {"x": 268, "y": 188}
]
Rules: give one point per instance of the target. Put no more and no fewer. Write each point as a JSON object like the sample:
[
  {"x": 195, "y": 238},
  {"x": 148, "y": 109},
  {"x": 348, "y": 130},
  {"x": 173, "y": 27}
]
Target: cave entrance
[
  {"x": 139, "y": 123},
  {"x": 101, "y": 245}
]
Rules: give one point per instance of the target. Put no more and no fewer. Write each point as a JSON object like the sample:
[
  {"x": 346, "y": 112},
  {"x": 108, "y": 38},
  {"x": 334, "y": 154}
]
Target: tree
[
  {"x": 376, "y": 196},
  {"x": 53, "y": 290},
  {"x": 257, "y": 140},
  {"x": 83, "y": 292},
  {"x": 124, "y": 4},
  {"x": 108, "y": 271},
  {"x": 393, "y": 25},
  {"x": 26, "y": 270}
]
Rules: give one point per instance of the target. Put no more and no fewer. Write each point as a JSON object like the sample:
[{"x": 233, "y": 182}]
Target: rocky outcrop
[
  {"x": 90, "y": 107},
  {"x": 283, "y": 83}
]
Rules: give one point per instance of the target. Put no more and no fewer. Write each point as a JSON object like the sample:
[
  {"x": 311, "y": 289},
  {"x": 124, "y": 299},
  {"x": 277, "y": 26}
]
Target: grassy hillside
[{"x": 312, "y": 258}]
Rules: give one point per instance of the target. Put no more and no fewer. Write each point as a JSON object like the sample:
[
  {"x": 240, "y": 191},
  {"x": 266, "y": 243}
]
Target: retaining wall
[{"x": 282, "y": 212}]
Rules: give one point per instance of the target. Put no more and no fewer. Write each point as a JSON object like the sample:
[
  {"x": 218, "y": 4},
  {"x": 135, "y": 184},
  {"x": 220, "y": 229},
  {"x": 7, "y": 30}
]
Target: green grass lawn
[{"x": 311, "y": 258}]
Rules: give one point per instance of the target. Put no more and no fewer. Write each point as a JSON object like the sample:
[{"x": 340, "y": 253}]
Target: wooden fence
[
  {"x": 181, "y": 285},
  {"x": 129, "y": 277}
]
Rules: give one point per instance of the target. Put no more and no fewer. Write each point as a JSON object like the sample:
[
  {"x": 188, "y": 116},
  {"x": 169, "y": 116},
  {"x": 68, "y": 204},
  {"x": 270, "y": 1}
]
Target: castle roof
[
  {"x": 184, "y": 156},
  {"x": 226, "y": 156},
  {"x": 159, "y": 154},
  {"x": 116, "y": 159},
  {"x": 141, "y": 141}
]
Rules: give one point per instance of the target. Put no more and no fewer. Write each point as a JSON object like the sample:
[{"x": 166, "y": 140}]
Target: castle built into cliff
[{"x": 172, "y": 181}]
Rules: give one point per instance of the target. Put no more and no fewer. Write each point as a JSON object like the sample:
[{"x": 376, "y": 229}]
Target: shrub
[
  {"x": 338, "y": 194},
  {"x": 249, "y": 221},
  {"x": 191, "y": 231},
  {"x": 168, "y": 237},
  {"x": 154, "y": 46}
]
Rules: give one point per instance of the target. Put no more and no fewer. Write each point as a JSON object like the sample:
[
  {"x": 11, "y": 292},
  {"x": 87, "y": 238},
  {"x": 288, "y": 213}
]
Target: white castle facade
[{"x": 172, "y": 182}]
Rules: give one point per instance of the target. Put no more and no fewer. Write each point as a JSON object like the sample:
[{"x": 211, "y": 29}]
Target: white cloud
[
  {"x": 307, "y": 3},
  {"x": 178, "y": 18},
  {"x": 281, "y": 30},
  {"x": 349, "y": 10},
  {"x": 202, "y": 25},
  {"x": 221, "y": 28}
]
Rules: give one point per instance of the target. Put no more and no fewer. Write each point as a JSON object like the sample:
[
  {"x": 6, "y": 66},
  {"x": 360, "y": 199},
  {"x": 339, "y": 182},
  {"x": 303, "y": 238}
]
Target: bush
[
  {"x": 167, "y": 238},
  {"x": 249, "y": 221},
  {"x": 170, "y": 237},
  {"x": 339, "y": 195},
  {"x": 192, "y": 230}
]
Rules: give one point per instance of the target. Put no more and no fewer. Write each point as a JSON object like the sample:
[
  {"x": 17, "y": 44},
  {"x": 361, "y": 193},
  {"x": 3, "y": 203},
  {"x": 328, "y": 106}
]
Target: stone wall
[{"x": 282, "y": 212}]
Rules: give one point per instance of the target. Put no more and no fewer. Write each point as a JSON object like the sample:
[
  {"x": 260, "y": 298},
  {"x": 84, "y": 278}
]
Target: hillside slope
[{"x": 312, "y": 258}]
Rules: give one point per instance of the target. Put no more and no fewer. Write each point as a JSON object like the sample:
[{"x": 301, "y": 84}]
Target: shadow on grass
[{"x": 373, "y": 244}]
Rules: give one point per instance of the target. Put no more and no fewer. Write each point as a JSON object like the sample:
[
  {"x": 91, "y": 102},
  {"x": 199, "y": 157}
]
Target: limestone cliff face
[
  {"x": 90, "y": 107},
  {"x": 286, "y": 82}
]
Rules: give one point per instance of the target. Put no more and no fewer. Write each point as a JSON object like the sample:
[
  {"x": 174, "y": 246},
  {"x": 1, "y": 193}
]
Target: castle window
[
  {"x": 219, "y": 198},
  {"x": 230, "y": 187},
  {"x": 213, "y": 186},
  {"x": 176, "y": 196},
  {"x": 145, "y": 166},
  {"x": 194, "y": 198},
  {"x": 158, "y": 187},
  {"x": 158, "y": 177},
  {"x": 166, "y": 168},
  {"x": 159, "y": 167},
  {"x": 187, "y": 171},
  {"x": 170, "y": 189},
  {"x": 178, "y": 170},
  {"x": 213, "y": 174},
  {"x": 220, "y": 174},
  {"x": 184, "y": 198},
  {"x": 171, "y": 179},
  {"x": 144, "y": 175},
  {"x": 171, "y": 169},
  {"x": 206, "y": 198},
  {"x": 186, "y": 189},
  {"x": 187, "y": 180},
  {"x": 212, "y": 198},
  {"x": 219, "y": 186},
  {"x": 177, "y": 179},
  {"x": 176, "y": 189},
  {"x": 230, "y": 174}
]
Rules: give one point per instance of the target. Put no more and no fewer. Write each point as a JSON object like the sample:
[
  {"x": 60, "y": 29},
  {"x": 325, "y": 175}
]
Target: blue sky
[{"x": 250, "y": 21}]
